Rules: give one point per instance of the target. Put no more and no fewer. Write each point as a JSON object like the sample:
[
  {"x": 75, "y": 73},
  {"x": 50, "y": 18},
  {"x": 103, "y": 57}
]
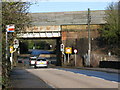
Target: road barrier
[{"x": 109, "y": 64}]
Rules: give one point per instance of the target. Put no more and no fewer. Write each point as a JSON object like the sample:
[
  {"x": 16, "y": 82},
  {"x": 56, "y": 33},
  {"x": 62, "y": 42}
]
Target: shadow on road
[{"x": 20, "y": 78}]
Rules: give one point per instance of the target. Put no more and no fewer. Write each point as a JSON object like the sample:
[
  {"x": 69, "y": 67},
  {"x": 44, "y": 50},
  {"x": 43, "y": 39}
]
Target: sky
[{"x": 43, "y": 6}]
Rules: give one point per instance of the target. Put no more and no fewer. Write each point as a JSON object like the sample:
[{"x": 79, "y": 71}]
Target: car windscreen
[
  {"x": 41, "y": 59},
  {"x": 32, "y": 59}
]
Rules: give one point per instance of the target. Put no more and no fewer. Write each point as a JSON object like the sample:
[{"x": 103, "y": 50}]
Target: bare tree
[{"x": 12, "y": 13}]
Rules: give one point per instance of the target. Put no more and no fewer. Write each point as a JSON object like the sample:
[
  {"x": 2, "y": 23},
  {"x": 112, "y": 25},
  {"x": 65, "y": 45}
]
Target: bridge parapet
[
  {"x": 49, "y": 34},
  {"x": 43, "y": 28},
  {"x": 41, "y": 32}
]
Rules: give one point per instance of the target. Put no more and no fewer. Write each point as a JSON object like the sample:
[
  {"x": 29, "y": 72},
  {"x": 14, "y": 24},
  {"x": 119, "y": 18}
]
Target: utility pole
[{"x": 89, "y": 39}]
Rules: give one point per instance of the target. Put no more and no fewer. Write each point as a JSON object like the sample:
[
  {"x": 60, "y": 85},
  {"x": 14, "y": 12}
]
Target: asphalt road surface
[
  {"x": 99, "y": 74},
  {"x": 62, "y": 78},
  {"x": 58, "y": 78},
  {"x": 22, "y": 79}
]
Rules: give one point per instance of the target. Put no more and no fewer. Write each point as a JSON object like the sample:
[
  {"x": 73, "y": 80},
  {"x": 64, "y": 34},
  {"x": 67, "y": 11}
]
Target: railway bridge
[{"x": 66, "y": 27}]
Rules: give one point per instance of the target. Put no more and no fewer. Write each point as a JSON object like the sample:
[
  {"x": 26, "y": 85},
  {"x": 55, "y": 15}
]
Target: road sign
[
  {"x": 10, "y": 28},
  {"x": 62, "y": 47},
  {"x": 15, "y": 46},
  {"x": 16, "y": 43},
  {"x": 68, "y": 50},
  {"x": 11, "y": 49},
  {"x": 75, "y": 50}
]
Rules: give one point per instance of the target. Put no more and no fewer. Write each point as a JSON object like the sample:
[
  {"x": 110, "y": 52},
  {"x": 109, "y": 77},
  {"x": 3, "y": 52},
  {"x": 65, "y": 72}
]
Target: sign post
[
  {"x": 11, "y": 57},
  {"x": 68, "y": 51},
  {"x": 9, "y": 28},
  {"x": 62, "y": 47},
  {"x": 68, "y": 58},
  {"x": 75, "y": 51}
]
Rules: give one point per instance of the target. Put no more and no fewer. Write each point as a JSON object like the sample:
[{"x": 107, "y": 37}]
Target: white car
[
  {"x": 41, "y": 62},
  {"x": 32, "y": 61}
]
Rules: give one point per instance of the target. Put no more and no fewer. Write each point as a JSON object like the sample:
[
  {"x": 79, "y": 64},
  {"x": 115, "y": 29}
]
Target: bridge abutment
[{"x": 58, "y": 52}]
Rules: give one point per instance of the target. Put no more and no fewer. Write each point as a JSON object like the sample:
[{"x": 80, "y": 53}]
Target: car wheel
[{"x": 46, "y": 67}]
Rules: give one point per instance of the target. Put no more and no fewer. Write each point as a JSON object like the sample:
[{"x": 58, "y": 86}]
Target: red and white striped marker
[{"x": 10, "y": 28}]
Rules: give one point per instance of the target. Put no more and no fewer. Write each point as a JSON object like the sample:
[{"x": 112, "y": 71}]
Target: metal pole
[
  {"x": 11, "y": 59},
  {"x": 68, "y": 58},
  {"x": 75, "y": 59},
  {"x": 64, "y": 59},
  {"x": 6, "y": 44},
  {"x": 89, "y": 40}
]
